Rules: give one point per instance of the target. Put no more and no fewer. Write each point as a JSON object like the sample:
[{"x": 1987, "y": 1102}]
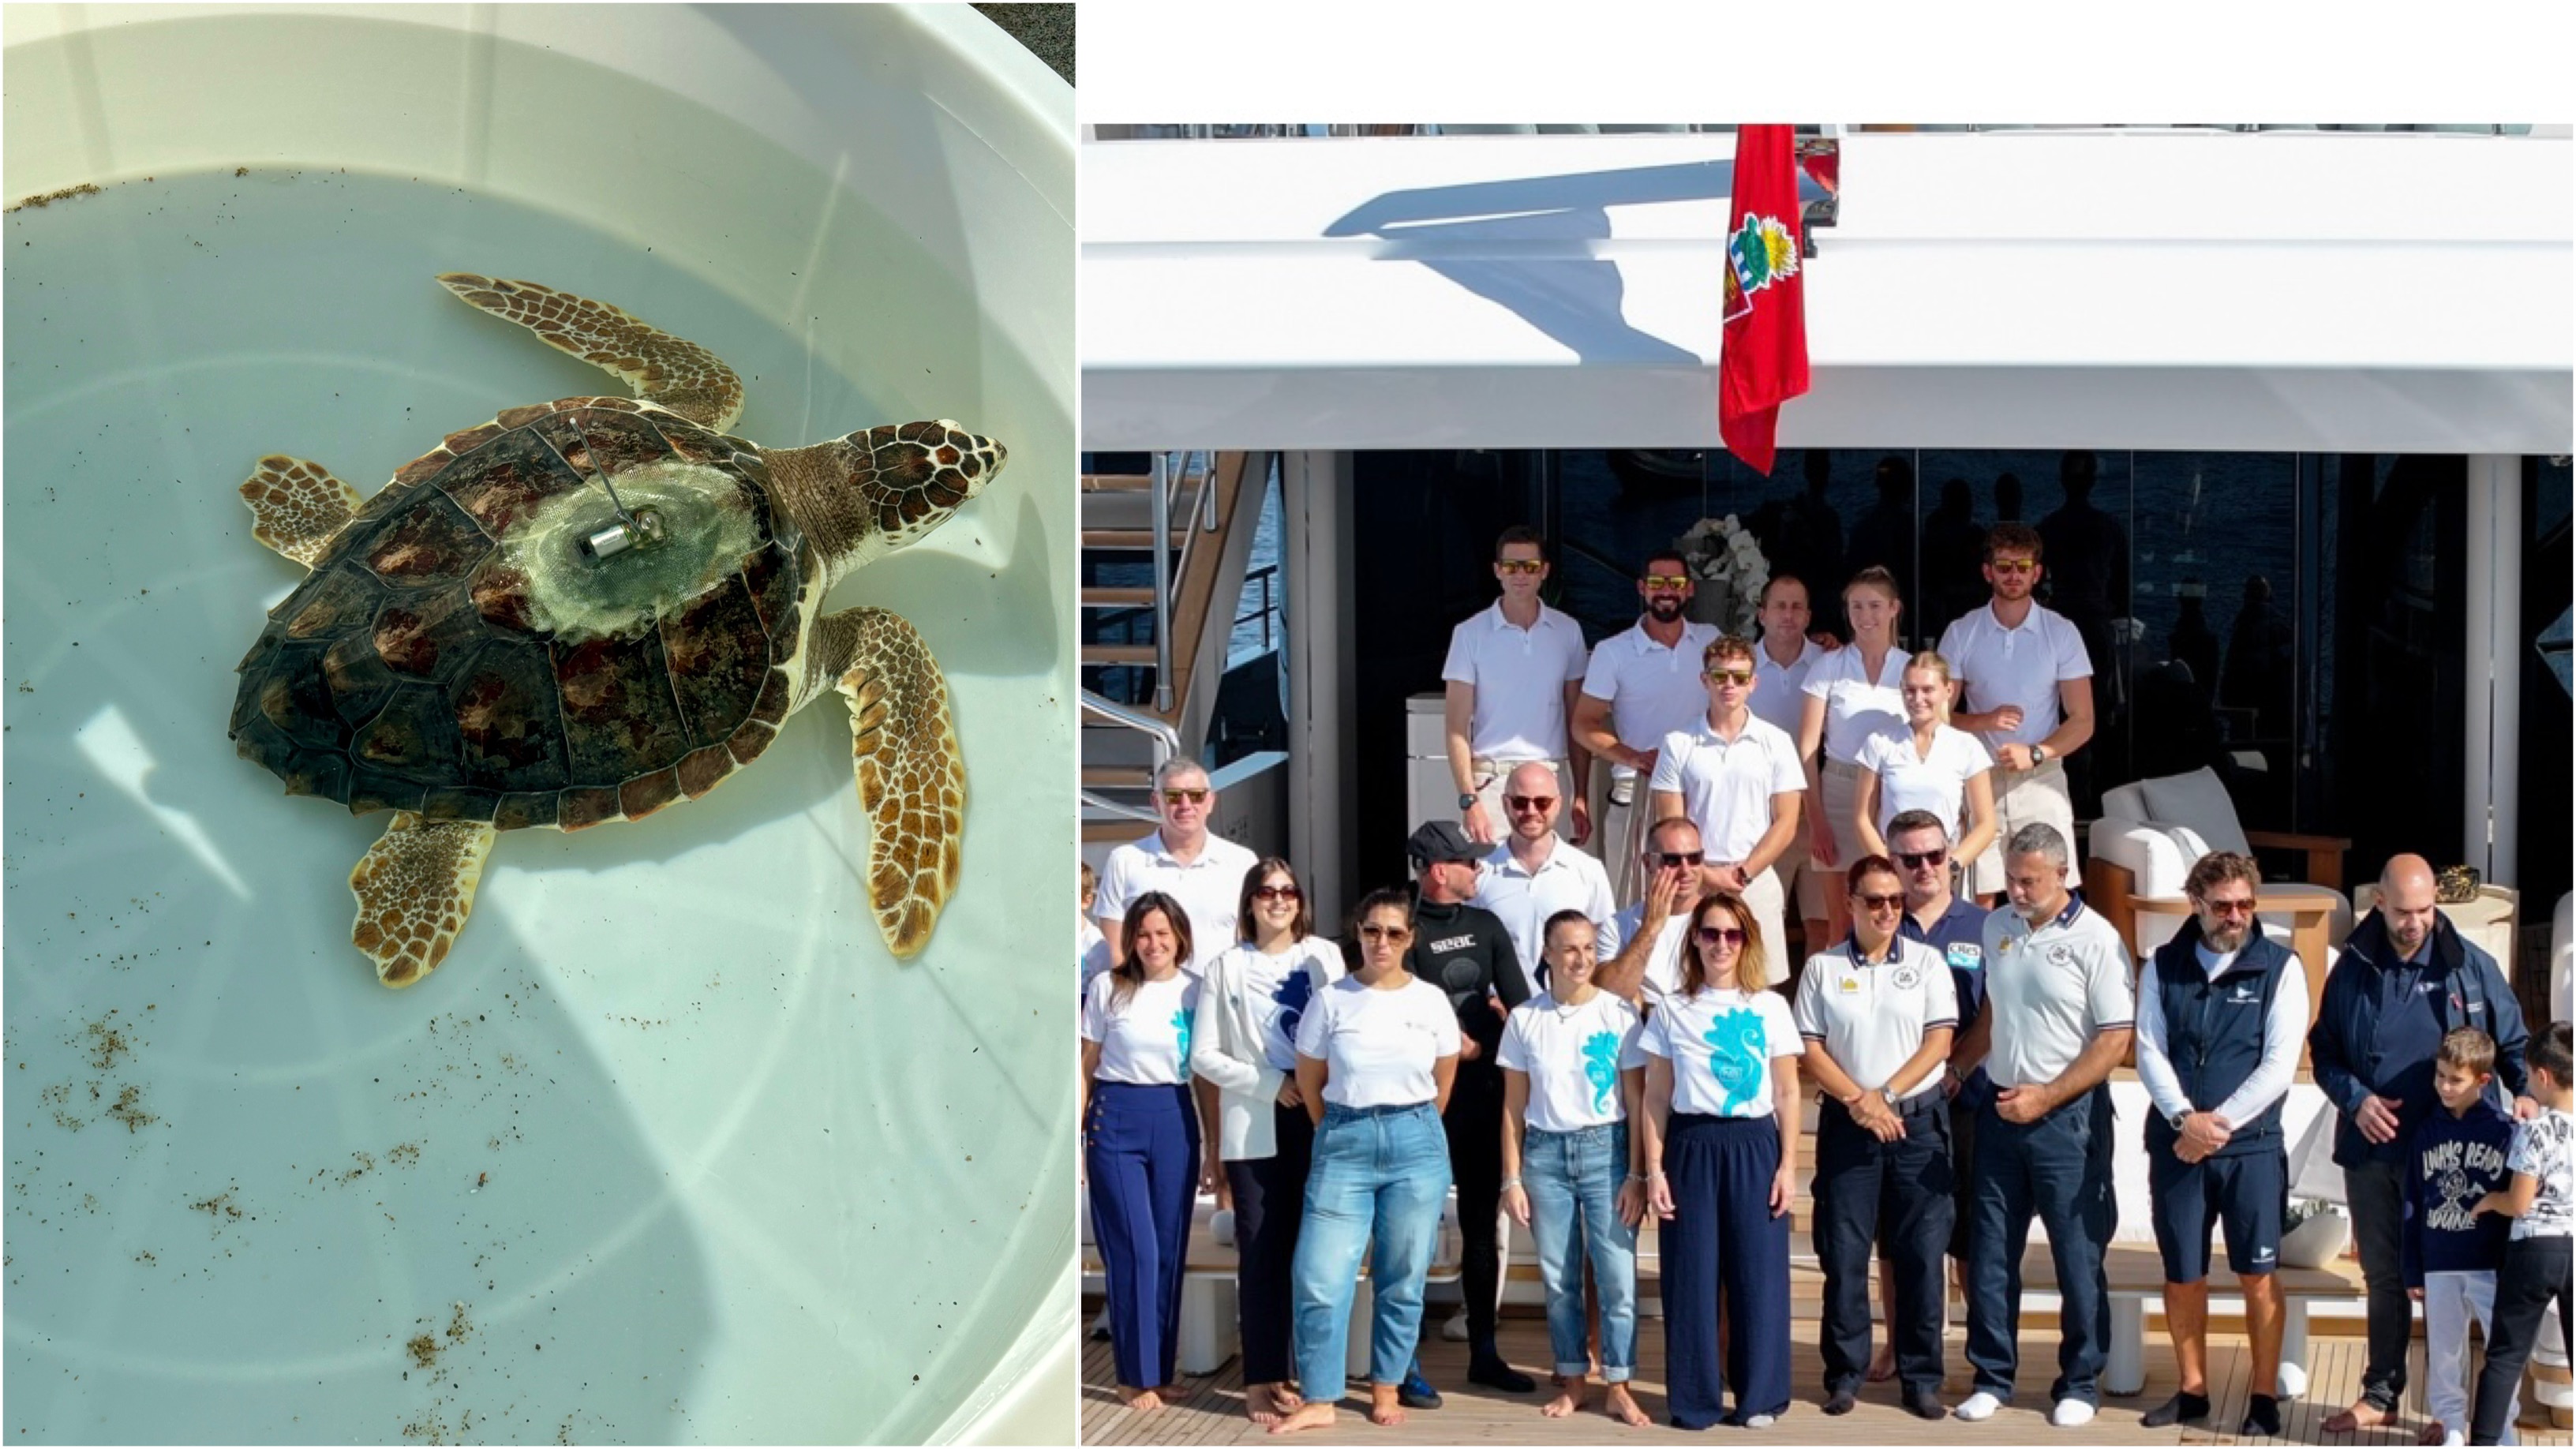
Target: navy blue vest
[{"x": 2214, "y": 1028}]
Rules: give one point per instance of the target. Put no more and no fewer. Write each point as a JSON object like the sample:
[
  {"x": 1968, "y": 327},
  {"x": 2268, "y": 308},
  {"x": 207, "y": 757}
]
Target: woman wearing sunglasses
[
  {"x": 1376, "y": 1054},
  {"x": 1928, "y": 766},
  {"x": 1878, "y": 1012},
  {"x": 1244, "y": 1050},
  {"x": 1852, "y": 694},
  {"x": 1141, "y": 1137},
  {"x": 1721, "y": 1124}
]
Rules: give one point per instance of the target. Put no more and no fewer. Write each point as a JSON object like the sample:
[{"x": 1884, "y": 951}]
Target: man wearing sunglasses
[
  {"x": 1533, "y": 875},
  {"x": 2024, "y": 685},
  {"x": 1937, "y": 917},
  {"x": 1642, "y": 684},
  {"x": 1641, "y": 952},
  {"x": 1184, "y": 860},
  {"x": 1739, "y": 780},
  {"x": 1513, "y": 673}
]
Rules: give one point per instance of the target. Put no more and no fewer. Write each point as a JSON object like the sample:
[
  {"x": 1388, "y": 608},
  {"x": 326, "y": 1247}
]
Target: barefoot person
[
  {"x": 1243, "y": 1046},
  {"x": 1376, "y": 1053},
  {"x": 1573, "y": 1072},
  {"x": 2405, "y": 978},
  {"x": 1721, "y": 1116},
  {"x": 1141, "y": 1138}
]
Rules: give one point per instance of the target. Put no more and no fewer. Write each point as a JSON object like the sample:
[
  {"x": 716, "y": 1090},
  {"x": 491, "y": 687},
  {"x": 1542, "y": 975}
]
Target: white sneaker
[
  {"x": 2071, "y": 1414},
  {"x": 1760, "y": 1421},
  {"x": 2453, "y": 1440},
  {"x": 1455, "y": 1330},
  {"x": 1979, "y": 1405}
]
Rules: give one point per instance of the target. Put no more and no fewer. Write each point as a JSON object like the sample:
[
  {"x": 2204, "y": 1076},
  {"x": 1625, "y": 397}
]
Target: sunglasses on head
[
  {"x": 1274, "y": 893},
  {"x": 1175, "y": 797},
  {"x": 1529, "y": 802},
  {"x": 1519, "y": 565},
  {"x": 1385, "y": 933},
  {"x": 1728, "y": 676},
  {"x": 1676, "y": 859},
  {"x": 1720, "y": 935},
  {"x": 1917, "y": 859},
  {"x": 1666, "y": 581}
]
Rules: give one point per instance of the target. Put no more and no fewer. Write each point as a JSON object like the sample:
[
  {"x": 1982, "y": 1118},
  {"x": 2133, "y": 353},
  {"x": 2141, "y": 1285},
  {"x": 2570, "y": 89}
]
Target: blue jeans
[
  {"x": 2059, "y": 1170},
  {"x": 1572, "y": 1179},
  {"x": 1379, "y": 1175}
]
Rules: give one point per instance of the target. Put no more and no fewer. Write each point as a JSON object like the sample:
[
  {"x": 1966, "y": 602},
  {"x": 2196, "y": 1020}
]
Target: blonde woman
[
  {"x": 1930, "y": 767},
  {"x": 1721, "y": 1127},
  {"x": 1852, "y": 694}
]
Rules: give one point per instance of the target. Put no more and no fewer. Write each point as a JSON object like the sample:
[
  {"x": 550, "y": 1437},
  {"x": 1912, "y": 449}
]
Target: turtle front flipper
[
  {"x": 670, "y": 371},
  {"x": 911, "y": 775},
  {"x": 297, "y": 507},
  {"x": 415, "y": 888}
]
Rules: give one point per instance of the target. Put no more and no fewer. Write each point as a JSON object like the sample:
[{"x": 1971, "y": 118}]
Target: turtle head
[{"x": 889, "y": 486}]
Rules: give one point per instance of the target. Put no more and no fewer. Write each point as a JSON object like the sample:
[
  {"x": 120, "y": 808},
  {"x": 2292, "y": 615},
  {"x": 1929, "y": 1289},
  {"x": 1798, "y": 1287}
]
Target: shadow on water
[{"x": 1527, "y": 245}]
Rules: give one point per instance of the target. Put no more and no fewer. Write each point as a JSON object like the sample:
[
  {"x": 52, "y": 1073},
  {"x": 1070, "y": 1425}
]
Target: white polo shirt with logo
[
  {"x": 1651, "y": 690},
  {"x": 1726, "y": 788},
  {"x": 2051, "y": 990},
  {"x": 1663, "y": 958},
  {"x": 2020, "y": 666},
  {"x": 1856, "y": 706},
  {"x": 1568, "y": 880},
  {"x": 1780, "y": 690},
  {"x": 1519, "y": 676},
  {"x": 1937, "y": 782},
  {"x": 1871, "y": 1016},
  {"x": 1209, "y": 888},
  {"x": 1573, "y": 1056}
]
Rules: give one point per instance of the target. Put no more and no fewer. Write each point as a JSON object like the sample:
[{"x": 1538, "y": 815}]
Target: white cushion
[
  {"x": 2199, "y": 801},
  {"x": 2125, "y": 802}
]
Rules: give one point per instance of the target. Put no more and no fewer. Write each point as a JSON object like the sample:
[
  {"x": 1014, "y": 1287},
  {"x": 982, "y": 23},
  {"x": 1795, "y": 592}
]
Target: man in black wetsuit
[{"x": 1465, "y": 951}]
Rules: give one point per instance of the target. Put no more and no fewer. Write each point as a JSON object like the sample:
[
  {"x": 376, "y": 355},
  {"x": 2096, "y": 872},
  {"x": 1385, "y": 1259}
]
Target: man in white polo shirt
[
  {"x": 1642, "y": 684},
  {"x": 1513, "y": 672},
  {"x": 1182, "y": 859},
  {"x": 2025, "y": 686},
  {"x": 1781, "y": 659},
  {"x": 1641, "y": 952},
  {"x": 1533, "y": 875},
  {"x": 1739, "y": 780},
  {"x": 2060, "y": 1013}
]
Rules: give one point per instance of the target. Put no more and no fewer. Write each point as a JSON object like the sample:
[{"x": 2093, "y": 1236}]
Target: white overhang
[{"x": 2329, "y": 292}]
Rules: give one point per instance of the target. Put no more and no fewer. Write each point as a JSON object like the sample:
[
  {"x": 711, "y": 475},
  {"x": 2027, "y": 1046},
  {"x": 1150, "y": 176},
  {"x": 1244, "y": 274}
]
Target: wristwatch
[
  {"x": 2039, "y": 754},
  {"x": 1467, "y": 800},
  {"x": 1889, "y": 1093},
  {"x": 2176, "y": 1119}
]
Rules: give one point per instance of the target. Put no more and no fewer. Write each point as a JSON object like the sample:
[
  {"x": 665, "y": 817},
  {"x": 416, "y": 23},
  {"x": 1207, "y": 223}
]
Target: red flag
[{"x": 1763, "y": 361}]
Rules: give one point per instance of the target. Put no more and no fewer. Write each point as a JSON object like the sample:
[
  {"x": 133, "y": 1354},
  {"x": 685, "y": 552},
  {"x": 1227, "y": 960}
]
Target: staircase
[{"x": 1157, "y": 573}]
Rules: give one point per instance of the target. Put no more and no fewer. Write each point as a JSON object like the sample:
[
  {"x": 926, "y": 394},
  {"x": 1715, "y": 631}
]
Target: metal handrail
[
  {"x": 1129, "y": 812},
  {"x": 1167, "y": 740},
  {"x": 1162, "y": 583}
]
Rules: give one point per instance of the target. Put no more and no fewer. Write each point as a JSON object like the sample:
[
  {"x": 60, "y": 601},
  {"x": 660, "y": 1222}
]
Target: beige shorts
[
  {"x": 1842, "y": 787},
  {"x": 1621, "y": 834},
  {"x": 2027, "y": 797},
  {"x": 1801, "y": 882}
]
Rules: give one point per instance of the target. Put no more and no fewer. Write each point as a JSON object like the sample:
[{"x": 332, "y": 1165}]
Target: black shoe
[
  {"x": 1416, "y": 1391},
  {"x": 1841, "y": 1401},
  {"x": 1924, "y": 1404},
  {"x": 2262, "y": 1418},
  {"x": 2180, "y": 1409},
  {"x": 1487, "y": 1367}
]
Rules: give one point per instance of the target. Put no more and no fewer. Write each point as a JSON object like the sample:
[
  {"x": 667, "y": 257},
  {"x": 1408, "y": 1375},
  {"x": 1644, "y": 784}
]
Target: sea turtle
[{"x": 587, "y": 609}]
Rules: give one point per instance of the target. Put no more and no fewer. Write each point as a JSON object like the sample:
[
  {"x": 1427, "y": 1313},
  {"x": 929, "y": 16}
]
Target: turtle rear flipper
[
  {"x": 297, "y": 507},
  {"x": 672, "y": 372},
  {"x": 415, "y": 887},
  {"x": 911, "y": 775}
]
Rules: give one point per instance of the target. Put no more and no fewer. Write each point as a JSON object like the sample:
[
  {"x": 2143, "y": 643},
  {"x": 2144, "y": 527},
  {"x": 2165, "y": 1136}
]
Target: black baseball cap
[{"x": 1440, "y": 840}]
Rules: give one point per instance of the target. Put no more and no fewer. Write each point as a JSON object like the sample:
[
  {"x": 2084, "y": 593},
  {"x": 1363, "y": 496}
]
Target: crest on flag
[{"x": 1759, "y": 253}]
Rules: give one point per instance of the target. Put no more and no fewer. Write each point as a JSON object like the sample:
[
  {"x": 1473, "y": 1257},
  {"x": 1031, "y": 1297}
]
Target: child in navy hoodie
[{"x": 2451, "y": 1251}]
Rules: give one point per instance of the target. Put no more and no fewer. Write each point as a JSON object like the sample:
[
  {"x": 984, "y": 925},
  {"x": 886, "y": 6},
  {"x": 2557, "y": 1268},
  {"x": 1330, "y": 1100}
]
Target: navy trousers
[
  {"x": 1722, "y": 1235},
  {"x": 1269, "y": 1207},
  {"x": 1895, "y": 1197},
  {"x": 1142, "y": 1153},
  {"x": 2058, "y": 1168}
]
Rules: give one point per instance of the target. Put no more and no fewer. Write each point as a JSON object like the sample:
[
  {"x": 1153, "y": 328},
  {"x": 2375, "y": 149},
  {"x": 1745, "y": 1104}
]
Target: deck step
[
  {"x": 1117, "y": 653},
  {"x": 1117, "y": 777},
  {"x": 1117, "y": 482},
  {"x": 1136, "y": 539},
  {"x": 1117, "y": 598}
]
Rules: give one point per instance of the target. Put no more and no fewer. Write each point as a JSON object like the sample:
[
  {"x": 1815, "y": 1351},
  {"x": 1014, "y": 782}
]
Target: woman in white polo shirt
[
  {"x": 1376, "y": 1054},
  {"x": 1141, "y": 1137},
  {"x": 1852, "y": 694},
  {"x": 1929, "y": 766},
  {"x": 1877, "y": 1013},
  {"x": 1720, "y": 1121},
  {"x": 1572, "y": 1068},
  {"x": 1244, "y": 1050}
]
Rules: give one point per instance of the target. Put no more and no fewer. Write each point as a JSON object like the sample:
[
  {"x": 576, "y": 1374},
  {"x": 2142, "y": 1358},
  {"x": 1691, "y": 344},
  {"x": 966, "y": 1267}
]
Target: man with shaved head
[{"x": 2406, "y": 977}]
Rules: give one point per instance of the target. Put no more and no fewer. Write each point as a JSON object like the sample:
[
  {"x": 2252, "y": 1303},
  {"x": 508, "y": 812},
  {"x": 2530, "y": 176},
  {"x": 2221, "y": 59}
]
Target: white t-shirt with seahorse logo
[
  {"x": 1573, "y": 1055},
  {"x": 1145, "y": 1039},
  {"x": 1721, "y": 1044}
]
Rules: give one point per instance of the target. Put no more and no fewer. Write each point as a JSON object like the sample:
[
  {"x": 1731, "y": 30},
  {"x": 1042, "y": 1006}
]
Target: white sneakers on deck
[
  {"x": 1979, "y": 1405},
  {"x": 2071, "y": 1414}
]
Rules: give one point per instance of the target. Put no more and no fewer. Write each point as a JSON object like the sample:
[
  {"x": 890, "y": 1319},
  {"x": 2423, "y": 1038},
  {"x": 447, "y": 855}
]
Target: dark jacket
[
  {"x": 2351, "y": 1062},
  {"x": 1466, "y": 952},
  {"x": 2215, "y": 1029}
]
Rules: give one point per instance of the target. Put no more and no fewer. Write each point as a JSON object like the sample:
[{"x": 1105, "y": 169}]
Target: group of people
[{"x": 1504, "y": 1028}]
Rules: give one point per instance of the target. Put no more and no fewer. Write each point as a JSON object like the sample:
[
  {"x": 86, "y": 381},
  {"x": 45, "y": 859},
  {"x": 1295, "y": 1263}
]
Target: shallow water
[{"x": 669, "y": 1148}]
